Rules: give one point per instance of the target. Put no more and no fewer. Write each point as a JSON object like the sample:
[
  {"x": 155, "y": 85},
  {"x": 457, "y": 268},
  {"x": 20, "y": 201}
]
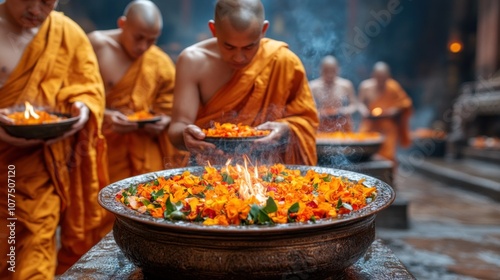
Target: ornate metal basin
[{"x": 181, "y": 250}]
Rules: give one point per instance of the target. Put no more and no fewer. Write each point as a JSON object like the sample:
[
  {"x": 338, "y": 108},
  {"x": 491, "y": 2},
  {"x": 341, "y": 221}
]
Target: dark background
[{"x": 411, "y": 36}]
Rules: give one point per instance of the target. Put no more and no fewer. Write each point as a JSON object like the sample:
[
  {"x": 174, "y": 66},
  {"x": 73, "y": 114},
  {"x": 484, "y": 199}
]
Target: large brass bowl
[{"x": 181, "y": 250}]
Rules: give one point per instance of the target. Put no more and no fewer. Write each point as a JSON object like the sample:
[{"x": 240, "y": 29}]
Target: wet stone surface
[{"x": 453, "y": 234}]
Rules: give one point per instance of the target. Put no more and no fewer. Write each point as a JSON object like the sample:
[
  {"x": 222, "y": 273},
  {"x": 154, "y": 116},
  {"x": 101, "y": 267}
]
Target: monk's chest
[
  {"x": 212, "y": 81},
  {"x": 12, "y": 48},
  {"x": 113, "y": 66}
]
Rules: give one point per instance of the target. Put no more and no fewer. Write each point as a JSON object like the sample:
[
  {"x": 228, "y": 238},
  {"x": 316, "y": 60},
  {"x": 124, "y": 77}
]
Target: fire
[
  {"x": 30, "y": 111},
  {"x": 31, "y": 116},
  {"x": 248, "y": 182},
  {"x": 377, "y": 111}
]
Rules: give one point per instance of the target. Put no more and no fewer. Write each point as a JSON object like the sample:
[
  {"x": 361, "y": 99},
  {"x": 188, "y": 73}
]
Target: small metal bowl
[{"x": 41, "y": 131}]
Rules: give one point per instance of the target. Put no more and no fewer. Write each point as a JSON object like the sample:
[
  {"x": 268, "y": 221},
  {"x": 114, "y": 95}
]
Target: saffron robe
[
  {"x": 274, "y": 87},
  {"x": 395, "y": 129},
  {"x": 56, "y": 183},
  {"x": 147, "y": 85}
]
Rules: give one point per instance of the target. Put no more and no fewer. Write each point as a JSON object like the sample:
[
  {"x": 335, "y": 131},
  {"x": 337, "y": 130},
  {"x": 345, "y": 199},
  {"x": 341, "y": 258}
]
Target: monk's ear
[
  {"x": 211, "y": 26},
  {"x": 121, "y": 21},
  {"x": 265, "y": 26}
]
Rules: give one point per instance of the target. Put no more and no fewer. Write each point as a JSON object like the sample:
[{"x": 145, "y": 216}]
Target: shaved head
[
  {"x": 144, "y": 11},
  {"x": 329, "y": 61},
  {"x": 240, "y": 13},
  {"x": 382, "y": 68}
]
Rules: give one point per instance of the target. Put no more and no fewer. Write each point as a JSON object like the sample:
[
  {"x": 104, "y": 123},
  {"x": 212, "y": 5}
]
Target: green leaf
[
  {"x": 271, "y": 206},
  {"x": 268, "y": 177},
  {"x": 145, "y": 201},
  {"x": 132, "y": 190},
  {"x": 294, "y": 208},
  {"x": 254, "y": 212},
  {"x": 263, "y": 218},
  {"x": 156, "y": 183},
  {"x": 156, "y": 194},
  {"x": 315, "y": 186},
  {"x": 170, "y": 207},
  {"x": 339, "y": 203},
  {"x": 327, "y": 178},
  {"x": 313, "y": 219},
  {"x": 227, "y": 178}
]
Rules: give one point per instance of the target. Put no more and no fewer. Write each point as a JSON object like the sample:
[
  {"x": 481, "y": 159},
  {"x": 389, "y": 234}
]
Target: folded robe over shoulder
[
  {"x": 57, "y": 69},
  {"x": 274, "y": 87},
  {"x": 147, "y": 84}
]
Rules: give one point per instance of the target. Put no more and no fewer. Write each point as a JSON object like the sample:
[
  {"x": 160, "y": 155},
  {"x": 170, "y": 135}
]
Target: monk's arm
[{"x": 182, "y": 131}]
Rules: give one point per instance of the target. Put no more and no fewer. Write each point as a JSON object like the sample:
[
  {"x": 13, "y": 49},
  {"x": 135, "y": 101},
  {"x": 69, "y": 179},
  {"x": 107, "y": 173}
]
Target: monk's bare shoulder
[
  {"x": 367, "y": 84},
  {"x": 345, "y": 83},
  {"x": 200, "y": 58},
  {"x": 101, "y": 39}
]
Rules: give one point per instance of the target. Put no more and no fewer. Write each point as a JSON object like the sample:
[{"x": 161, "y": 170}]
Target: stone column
[{"x": 488, "y": 38}]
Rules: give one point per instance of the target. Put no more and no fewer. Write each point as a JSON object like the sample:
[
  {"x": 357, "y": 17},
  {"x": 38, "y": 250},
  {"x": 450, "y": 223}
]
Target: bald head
[
  {"x": 329, "y": 69},
  {"x": 381, "y": 68},
  {"x": 240, "y": 13},
  {"x": 329, "y": 61},
  {"x": 381, "y": 73},
  {"x": 144, "y": 11}
]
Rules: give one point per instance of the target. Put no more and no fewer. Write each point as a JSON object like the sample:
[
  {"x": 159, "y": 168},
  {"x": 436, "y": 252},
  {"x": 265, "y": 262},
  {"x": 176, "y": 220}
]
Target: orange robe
[
  {"x": 147, "y": 84},
  {"x": 57, "y": 183},
  {"x": 395, "y": 129},
  {"x": 274, "y": 87}
]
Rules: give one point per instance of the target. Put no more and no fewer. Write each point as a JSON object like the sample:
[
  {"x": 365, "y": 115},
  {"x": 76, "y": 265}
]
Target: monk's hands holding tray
[
  {"x": 14, "y": 141},
  {"x": 157, "y": 127},
  {"x": 119, "y": 122},
  {"x": 80, "y": 110},
  {"x": 279, "y": 135},
  {"x": 194, "y": 141}
]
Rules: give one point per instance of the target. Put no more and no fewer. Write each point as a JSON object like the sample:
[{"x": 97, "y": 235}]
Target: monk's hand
[
  {"x": 279, "y": 135},
  {"x": 193, "y": 141},
  {"x": 391, "y": 112},
  {"x": 118, "y": 122},
  {"x": 80, "y": 110},
  {"x": 14, "y": 141},
  {"x": 158, "y": 127}
]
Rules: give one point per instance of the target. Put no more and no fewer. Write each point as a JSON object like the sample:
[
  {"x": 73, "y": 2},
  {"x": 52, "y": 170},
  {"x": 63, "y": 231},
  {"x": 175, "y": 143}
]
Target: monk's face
[
  {"x": 328, "y": 73},
  {"x": 238, "y": 48},
  {"x": 138, "y": 36},
  {"x": 30, "y": 13},
  {"x": 381, "y": 78}
]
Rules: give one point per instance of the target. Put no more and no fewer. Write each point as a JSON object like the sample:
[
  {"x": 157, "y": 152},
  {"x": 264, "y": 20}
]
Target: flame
[
  {"x": 248, "y": 183},
  {"x": 30, "y": 111},
  {"x": 377, "y": 111}
]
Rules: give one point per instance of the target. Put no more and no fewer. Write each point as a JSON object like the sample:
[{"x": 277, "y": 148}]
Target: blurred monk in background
[
  {"x": 334, "y": 97},
  {"x": 48, "y": 61},
  {"x": 241, "y": 77},
  {"x": 388, "y": 110},
  {"x": 138, "y": 76}
]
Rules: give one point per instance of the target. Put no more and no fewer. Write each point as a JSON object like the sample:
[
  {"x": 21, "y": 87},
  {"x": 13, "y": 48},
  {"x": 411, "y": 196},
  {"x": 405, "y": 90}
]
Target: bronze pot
[
  {"x": 181, "y": 250},
  {"x": 334, "y": 152}
]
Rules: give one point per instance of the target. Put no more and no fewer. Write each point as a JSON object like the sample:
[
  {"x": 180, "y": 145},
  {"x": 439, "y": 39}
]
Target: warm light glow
[
  {"x": 455, "y": 47},
  {"x": 377, "y": 111},
  {"x": 30, "y": 111}
]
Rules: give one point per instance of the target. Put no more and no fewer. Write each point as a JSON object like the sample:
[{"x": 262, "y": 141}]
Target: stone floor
[{"x": 453, "y": 233}]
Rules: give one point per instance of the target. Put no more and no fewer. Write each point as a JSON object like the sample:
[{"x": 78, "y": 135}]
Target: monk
[
  {"x": 241, "y": 77},
  {"x": 389, "y": 110},
  {"x": 334, "y": 97},
  {"x": 138, "y": 76},
  {"x": 48, "y": 61}
]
